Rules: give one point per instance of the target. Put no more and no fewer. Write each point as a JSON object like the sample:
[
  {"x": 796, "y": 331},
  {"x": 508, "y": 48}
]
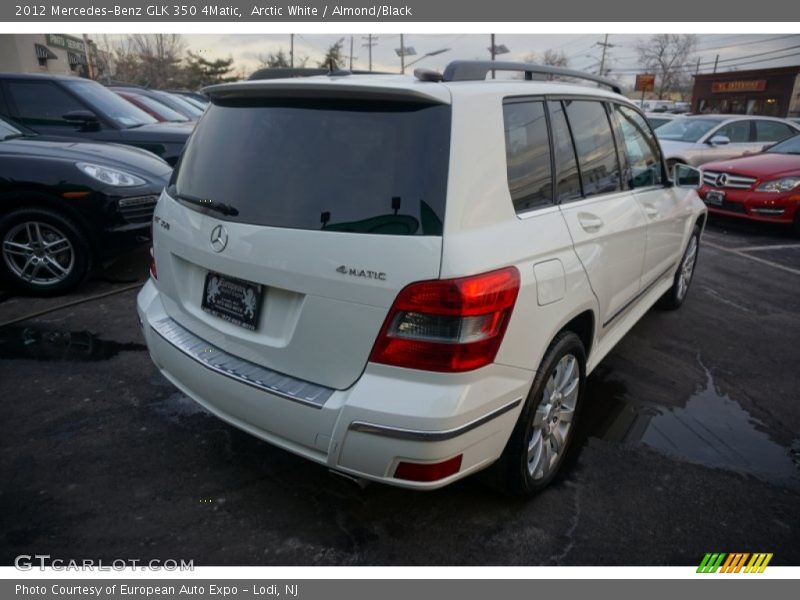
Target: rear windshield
[{"x": 335, "y": 165}]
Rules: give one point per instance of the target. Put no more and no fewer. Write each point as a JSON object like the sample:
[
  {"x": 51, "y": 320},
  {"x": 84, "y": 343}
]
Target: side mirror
[
  {"x": 686, "y": 177},
  {"x": 85, "y": 118},
  {"x": 719, "y": 140},
  {"x": 766, "y": 147}
]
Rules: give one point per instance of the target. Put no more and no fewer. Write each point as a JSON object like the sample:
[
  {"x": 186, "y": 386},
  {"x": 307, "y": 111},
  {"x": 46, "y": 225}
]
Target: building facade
[
  {"x": 772, "y": 92},
  {"x": 54, "y": 53}
]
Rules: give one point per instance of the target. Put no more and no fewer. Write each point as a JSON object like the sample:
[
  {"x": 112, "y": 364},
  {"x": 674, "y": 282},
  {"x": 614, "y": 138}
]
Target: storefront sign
[
  {"x": 756, "y": 85},
  {"x": 58, "y": 40},
  {"x": 645, "y": 83}
]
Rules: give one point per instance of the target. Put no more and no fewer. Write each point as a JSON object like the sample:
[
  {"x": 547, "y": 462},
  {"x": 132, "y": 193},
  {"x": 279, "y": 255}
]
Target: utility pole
[
  {"x": 351, "y": 53},
  {"x": 492, "y": 49},
  {"x": 291, "y": 50},
  {"x": 402, "y": 55},
  {"x": 697, "y": 68},
  {"x": 88, "y": 50},
  {"x": 605, "y": 46},
  {"x": 716, "y": 60},
  {"x": 372, "y": 40}
]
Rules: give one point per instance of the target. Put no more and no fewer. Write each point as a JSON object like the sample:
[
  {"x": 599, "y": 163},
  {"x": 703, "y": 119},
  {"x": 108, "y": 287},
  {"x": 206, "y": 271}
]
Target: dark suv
[{"x": 70, "y": 106}]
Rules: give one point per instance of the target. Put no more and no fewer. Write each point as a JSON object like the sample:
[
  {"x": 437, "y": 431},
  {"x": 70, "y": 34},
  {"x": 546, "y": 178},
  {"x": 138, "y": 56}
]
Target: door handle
[
  {"x": 589, "y": 222},
  {"x": 651, "y": 211}
]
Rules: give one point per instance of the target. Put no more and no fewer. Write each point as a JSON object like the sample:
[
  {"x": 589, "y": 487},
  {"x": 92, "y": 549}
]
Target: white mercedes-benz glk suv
[{"x": 409, "y": 279}]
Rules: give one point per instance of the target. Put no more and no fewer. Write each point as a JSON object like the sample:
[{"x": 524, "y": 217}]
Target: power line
[{"x": 691, "y": 66}]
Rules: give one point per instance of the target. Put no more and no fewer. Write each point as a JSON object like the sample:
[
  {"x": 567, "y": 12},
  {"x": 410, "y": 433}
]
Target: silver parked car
[{"x": 700, "y": 139}]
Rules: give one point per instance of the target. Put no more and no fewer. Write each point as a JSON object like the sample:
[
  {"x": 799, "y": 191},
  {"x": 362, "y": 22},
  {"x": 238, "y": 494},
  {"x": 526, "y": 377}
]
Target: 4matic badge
[{"x": 363, "y": 273}]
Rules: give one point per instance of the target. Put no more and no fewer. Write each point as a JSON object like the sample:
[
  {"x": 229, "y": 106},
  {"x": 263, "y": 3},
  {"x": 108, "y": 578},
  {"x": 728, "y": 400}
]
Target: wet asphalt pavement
[{"x": 689, "y": 443}]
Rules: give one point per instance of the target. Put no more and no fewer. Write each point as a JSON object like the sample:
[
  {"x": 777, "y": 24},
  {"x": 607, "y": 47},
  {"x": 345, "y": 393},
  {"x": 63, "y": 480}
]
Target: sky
[{"x": 738, "y": 51}]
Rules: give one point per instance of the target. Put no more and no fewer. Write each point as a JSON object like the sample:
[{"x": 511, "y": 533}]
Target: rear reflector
[
  {"x": 428, "y": 471},
  {"x": 448, "y": 325}
]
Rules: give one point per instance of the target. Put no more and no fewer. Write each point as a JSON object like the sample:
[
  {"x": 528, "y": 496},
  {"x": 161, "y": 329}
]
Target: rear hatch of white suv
[{"x": 296, "y": 214}]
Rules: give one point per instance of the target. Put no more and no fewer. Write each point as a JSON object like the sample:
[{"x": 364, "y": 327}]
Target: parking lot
[{"x": 688, "y": 444}]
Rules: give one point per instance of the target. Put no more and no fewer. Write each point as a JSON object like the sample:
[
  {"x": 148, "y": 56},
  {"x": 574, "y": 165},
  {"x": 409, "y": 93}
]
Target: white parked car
[
  {"x": 699, "y": 139},
  {"x": 409, "y": 279}
]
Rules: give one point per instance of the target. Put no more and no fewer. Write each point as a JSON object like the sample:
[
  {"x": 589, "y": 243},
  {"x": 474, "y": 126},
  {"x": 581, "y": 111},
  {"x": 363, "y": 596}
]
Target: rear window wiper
[{"x": 220, "y": 207}]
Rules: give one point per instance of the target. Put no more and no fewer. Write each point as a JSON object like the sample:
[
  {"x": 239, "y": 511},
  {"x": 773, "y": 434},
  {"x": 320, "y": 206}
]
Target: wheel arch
[{"x": 31, "y": 198}]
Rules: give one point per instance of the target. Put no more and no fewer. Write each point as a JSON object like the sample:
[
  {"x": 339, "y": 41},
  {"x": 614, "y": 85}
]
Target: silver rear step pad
[{"x": 239, "y": 369}]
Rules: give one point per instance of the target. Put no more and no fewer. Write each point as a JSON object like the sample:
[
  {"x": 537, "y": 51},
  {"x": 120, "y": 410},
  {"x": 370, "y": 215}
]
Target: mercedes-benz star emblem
[
  {"x": 219, "y": 238},
  {"x": 722, "y": 180}
]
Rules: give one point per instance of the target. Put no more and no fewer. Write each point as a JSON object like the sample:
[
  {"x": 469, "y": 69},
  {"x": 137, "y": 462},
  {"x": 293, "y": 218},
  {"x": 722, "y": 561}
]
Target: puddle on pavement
[
  {"x": 45, "y": 344},
  {"x": 179, "y": 406},
  {"x": 711, "y": 430}
]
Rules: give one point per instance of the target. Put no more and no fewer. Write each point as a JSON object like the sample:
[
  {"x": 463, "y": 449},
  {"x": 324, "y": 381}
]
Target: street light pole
[{"x": 291, "y": 50}]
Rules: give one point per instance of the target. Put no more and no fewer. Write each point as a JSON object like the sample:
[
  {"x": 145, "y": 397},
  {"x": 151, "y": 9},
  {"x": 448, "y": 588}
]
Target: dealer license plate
[{"x": 235, "y": 300}]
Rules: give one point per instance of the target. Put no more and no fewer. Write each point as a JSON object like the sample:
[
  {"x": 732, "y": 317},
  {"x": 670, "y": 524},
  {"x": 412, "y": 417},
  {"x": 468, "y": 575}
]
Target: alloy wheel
[
  {"x": 554, "y": 418},
  {"x": 687, "y": 268},
  {"x": 38, "y": 253}
]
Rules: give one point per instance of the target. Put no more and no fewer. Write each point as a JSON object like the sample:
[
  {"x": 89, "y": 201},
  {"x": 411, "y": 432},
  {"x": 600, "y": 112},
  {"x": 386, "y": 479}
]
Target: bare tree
[
  {"x": 152, "y": 59},
  {"x": 555, "y": 58},
  {"x": 550, "y": 58},
  {"x": 666, "y": 55}
]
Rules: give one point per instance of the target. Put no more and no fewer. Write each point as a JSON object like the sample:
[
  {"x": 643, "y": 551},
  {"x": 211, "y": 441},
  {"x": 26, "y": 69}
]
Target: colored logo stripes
[{"x": 735, "y": 562}]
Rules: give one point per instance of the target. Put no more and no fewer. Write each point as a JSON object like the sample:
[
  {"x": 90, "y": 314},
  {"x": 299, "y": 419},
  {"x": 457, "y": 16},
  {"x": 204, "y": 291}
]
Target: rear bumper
[
  {"x": 756, "y": 206},
  {"x": 389, "y": 415}
]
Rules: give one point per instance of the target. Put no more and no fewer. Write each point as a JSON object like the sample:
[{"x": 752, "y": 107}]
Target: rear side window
[
  {"x": 738, "y": 132},
  {"x": 568, "y": 180},
  {"x": 334, "y": 165},
  {"x": 527, "y": 155},
  {"x": 42, "y": 103},
  {"x": 639, "y": 147},
  {"x": 594, "y": 143},
  {"x": 772, "y": 131}
]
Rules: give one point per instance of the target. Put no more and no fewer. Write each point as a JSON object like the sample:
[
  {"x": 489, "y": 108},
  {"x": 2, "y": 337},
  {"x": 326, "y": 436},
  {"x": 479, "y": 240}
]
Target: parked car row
[
  {"x": 750, "y": 164},
  {"x": 81, "y": 168}
]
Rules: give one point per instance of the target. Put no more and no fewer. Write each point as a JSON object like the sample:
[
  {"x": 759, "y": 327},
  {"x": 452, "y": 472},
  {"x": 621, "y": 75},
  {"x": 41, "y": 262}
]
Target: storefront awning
[{"x": 44, "y": 53}]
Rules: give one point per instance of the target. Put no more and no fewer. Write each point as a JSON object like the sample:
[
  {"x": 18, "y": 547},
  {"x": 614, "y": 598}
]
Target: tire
[
  {"x": 42, "y": 252},
  {"x": 523, "y": 469},
  {"x": 674, "y": 297}
]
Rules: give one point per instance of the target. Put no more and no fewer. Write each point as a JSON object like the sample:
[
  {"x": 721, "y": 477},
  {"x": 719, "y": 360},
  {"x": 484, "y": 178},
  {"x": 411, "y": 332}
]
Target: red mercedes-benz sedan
[{"x": 761, "y": 187}]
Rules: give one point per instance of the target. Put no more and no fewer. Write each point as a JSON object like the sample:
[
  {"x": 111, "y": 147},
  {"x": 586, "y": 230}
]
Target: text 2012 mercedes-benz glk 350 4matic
[{"x": 409, "y": 279}]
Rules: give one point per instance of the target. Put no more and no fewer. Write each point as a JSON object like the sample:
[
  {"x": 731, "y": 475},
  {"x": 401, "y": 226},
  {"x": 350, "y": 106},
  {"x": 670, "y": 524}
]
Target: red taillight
[
  {"x": 428, "y": 471},
  {"x": 448, "y": 325},
  {"x": 153, "y": 270}
]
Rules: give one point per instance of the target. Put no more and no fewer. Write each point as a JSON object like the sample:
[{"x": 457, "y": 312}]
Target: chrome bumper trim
[
  {"x": 239, "y": 369},
  {"x": 419, "y": 435}
]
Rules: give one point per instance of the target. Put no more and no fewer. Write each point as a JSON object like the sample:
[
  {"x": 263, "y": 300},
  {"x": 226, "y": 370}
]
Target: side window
[
  {"x": 41, "y": 103},
  {"x": 527, "y": 155},
  {"x": 640, "y": 148},
  {"x": 772, "y": 131},
  {"x": 568, "y": 180},
  {"x": 738, "y": 132},
  {"x": 594, "y": 143}
]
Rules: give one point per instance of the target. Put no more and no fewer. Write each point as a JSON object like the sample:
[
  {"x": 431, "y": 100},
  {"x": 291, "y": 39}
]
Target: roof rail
[{"x": 476, "y": 70}]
